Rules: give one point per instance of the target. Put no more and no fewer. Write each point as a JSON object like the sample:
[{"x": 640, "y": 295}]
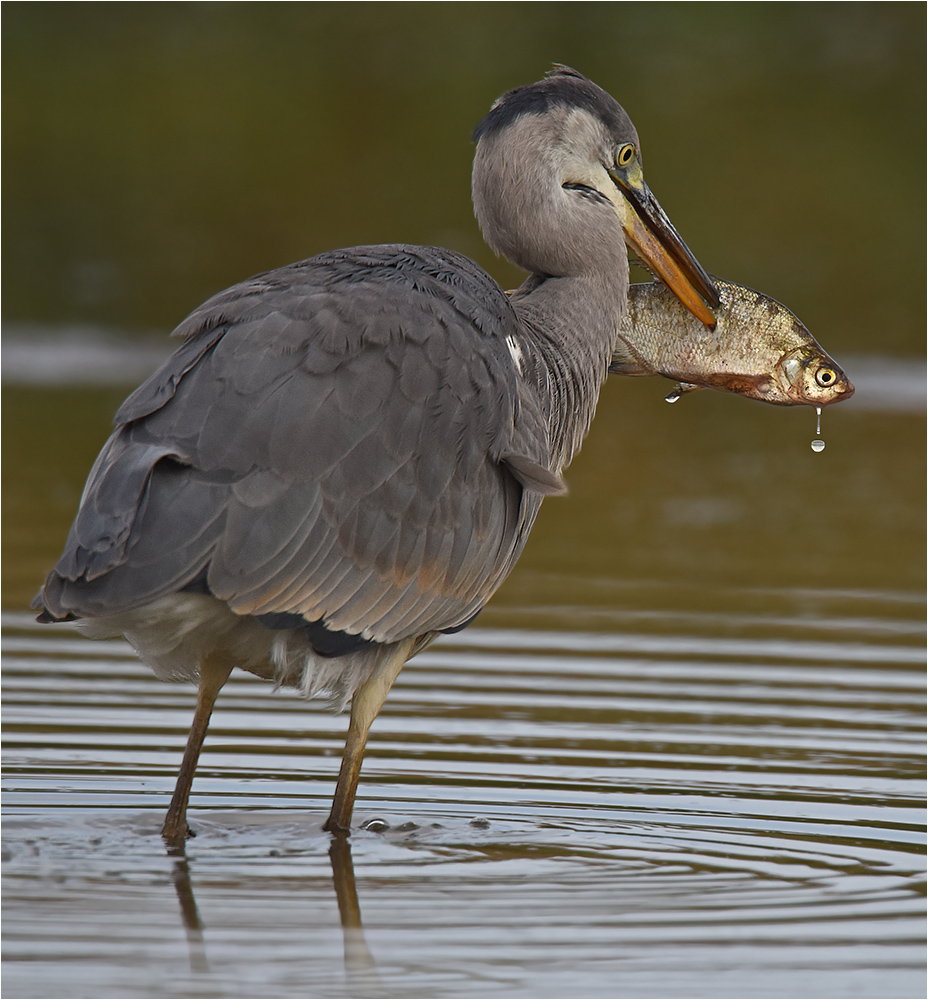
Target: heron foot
[
  {"x": 176, "y": 835},
  {"x": 334, "y": 827}
]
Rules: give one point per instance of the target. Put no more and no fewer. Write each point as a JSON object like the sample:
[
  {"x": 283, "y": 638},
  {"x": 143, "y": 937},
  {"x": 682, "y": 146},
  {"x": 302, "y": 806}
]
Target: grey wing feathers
[{"x": 343, "y": 439}]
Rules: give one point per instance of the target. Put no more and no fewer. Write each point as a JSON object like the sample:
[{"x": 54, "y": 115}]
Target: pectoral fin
[
  {"x": 625, "y": 361},
  {"x": 681, "y": 390}
]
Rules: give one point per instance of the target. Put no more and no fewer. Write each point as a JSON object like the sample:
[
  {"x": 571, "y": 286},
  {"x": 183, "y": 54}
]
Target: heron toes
[{"x": 176, "y": 835}]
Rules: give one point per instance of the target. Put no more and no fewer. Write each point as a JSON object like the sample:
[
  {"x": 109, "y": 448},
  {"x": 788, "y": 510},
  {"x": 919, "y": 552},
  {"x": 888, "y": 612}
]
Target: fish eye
[
  {"x": 625, "y": 154},
  {"x": 825, "y": 377}
]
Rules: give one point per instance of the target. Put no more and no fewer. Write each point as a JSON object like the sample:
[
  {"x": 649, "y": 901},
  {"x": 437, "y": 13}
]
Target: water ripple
[{"x": 537, "y": 801}]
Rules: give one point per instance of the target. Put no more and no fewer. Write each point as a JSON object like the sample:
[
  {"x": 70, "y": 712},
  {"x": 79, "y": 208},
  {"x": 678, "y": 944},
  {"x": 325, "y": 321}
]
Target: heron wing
[{"x": 345, "y": 439}]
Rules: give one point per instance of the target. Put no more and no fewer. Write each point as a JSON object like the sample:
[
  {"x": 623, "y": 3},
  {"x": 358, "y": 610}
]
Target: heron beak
[{"x": 659, "y": 245}]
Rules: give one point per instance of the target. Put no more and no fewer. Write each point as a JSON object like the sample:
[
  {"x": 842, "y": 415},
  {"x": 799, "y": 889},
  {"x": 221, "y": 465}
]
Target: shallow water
[
  {"x": 652, "y": 811},
  {"x": 679, "y": 755}
]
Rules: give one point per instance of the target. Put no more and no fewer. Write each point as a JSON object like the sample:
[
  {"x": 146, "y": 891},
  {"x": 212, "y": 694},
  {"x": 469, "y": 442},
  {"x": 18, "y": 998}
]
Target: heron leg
[
  {"x": 365, "y": 704},
  {"x": 213, "y": 674}
]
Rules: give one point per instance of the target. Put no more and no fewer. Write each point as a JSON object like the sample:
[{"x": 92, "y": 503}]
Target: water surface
[
  {"x": 680, "y": 753},
  {"x": 674, "y": 805}
]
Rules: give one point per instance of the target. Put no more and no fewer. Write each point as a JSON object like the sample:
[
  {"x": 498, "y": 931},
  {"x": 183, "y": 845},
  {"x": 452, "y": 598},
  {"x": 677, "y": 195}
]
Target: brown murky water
[{"x": 636, "y": 781}]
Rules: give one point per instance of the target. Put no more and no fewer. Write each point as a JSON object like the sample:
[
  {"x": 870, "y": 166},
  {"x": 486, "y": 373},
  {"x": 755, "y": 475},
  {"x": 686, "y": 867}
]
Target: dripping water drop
[
  {"x": 672, "y": 397},
  {"x": 818, "y": 444}
]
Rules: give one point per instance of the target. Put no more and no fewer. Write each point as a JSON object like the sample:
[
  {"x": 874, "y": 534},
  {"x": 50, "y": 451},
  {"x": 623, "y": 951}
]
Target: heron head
[{"x": 558, "y": 188}]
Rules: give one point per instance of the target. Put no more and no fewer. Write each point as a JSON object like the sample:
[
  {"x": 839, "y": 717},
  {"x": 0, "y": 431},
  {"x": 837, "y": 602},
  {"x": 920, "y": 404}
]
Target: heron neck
[{"x": 569, "y": 328}]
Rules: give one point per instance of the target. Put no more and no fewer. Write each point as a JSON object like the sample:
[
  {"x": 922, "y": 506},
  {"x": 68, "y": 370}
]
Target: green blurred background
[{"x": 155, "y": 153}]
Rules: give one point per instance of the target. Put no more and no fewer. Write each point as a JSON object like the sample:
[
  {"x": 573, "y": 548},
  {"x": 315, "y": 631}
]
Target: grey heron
[{"x": 344, "y": 457}]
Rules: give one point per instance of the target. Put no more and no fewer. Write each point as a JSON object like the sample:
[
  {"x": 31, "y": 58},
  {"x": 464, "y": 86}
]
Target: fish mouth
[
  {"x": 841, "y": 390},
  {"x": 657, "y": 242}
]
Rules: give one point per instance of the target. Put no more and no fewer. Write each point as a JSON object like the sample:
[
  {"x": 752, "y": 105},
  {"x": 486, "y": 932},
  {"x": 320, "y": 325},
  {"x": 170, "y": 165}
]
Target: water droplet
[
  {"x": 375, "y": 825},
  {"x": 818, "y": 444},
  {"x": 672, "y": 397}
]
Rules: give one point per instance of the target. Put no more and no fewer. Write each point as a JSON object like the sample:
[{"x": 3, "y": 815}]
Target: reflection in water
[
  {"x": 360, "y": 968},
  {"x": 180, "y": 874}
]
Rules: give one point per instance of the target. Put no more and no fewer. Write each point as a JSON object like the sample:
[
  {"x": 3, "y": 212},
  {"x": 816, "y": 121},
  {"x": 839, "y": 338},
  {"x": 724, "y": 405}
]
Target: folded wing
[{"x": 345, "y": 439}]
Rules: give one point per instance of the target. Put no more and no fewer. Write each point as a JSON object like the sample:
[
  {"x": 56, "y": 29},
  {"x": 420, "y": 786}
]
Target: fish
[{"x": 758, "y": 349}]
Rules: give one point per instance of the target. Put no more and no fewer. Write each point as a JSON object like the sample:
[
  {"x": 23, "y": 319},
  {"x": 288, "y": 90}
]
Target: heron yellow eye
[
  {"x": 825, "y": 377},
  {"x": 625, "y": 154}
]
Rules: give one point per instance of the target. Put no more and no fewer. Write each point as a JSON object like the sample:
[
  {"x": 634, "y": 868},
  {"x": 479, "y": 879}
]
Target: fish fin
[
  {"x": 625, "y": 361},
  {"x": 681, "y": 389},
  {"x": 635, "y": 261},
  {"x": 617, "y": 367}
]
